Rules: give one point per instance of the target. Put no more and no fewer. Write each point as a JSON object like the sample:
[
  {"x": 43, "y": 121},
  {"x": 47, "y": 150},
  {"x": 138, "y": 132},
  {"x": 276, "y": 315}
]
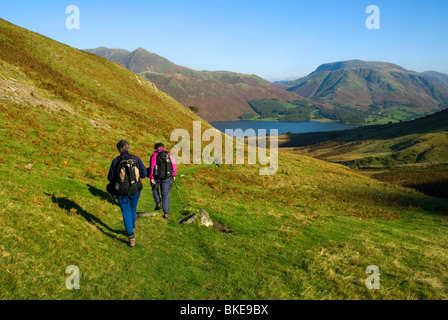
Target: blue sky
[{"x": 276, "y": 40}]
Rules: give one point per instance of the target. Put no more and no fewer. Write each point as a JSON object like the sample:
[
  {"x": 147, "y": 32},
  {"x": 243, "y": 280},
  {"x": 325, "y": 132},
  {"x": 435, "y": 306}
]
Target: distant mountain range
[
  {"x": 383, "y": 91},
  {"x": 365, "y": 85},
  {"x": 218, "y": 95}
]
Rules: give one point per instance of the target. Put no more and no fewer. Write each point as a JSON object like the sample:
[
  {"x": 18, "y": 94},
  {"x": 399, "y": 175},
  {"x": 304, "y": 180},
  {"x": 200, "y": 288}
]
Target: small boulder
[{"x": 204, "y": 218}]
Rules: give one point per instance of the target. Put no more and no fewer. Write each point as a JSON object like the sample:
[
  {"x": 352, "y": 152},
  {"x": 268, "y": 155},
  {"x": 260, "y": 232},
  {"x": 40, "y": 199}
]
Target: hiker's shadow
[
  {"x": 102, "y": 195},
  {"x": 73, "y": 208}
]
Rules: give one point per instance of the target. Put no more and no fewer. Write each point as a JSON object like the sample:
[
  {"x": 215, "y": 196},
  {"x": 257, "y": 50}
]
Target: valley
[{"x": 412, "y": 154}]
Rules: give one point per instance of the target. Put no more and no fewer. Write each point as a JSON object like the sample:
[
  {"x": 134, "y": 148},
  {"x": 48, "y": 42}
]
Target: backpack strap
[{"x": 122, "y": 158}]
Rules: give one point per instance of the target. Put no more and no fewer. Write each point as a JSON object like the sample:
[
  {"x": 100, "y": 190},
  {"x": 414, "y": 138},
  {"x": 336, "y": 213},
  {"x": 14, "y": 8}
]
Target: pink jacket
[{"x": 153, "y": 161}]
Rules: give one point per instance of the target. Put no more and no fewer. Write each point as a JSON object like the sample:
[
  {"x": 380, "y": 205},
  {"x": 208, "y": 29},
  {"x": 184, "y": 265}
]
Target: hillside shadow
[
  {"x": 73, "y": 208},
  {"x": 394, "y": 200},
  {"x": 437, "y": 189},
  {"x": 103, "y": 195}
]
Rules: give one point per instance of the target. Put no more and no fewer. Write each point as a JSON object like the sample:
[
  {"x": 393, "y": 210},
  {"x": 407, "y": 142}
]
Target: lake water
[{"x": 282, "y": 127}]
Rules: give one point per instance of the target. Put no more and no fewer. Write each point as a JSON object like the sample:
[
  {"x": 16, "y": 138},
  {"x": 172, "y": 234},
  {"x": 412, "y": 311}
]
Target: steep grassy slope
[
  {"x": 219, "y": 95},
  {"x": 372, "y": 86},
  {"x": 36, "y": 70},
  {"x": 308, "y": 232}
]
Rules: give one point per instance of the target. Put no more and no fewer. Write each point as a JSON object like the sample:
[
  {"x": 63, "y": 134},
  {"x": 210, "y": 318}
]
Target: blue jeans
[
  {"x": 165, "y": 187},
  {"x": 128, "y": 206}
]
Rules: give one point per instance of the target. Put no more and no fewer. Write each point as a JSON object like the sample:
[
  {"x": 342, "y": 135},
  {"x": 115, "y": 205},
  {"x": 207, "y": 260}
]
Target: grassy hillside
[
  {"x": 422, "y": 140},
  {"x": 308, "y": 232},
  {"x": 411, "y": 154},
  {"x": 218, "y": 95}
]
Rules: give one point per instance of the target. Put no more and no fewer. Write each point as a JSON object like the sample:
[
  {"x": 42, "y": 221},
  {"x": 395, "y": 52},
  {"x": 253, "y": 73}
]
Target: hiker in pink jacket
[{"x": 162, "y": 169}]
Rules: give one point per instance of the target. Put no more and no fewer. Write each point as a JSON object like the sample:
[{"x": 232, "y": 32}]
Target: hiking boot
[
  {"x": 158, "y": 206},
  {"x": 166, "y": 215},
  {"x": 131, "y": 237}
]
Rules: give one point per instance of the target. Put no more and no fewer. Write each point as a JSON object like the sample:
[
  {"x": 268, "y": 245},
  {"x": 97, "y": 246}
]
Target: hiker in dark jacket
[
  {"x": 164, "y": 184},
  {"x": 128, "y": 202}
]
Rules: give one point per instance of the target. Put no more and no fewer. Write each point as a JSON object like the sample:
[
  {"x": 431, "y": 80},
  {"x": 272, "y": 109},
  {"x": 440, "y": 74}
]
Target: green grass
[
  {"x": 281, "y": 246},
  {"x": 395, "y": 115}
]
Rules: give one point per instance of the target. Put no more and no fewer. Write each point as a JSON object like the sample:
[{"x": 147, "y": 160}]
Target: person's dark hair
[
  {"x": 123, "y": 146},
  {"x": 158, "y": 146}
]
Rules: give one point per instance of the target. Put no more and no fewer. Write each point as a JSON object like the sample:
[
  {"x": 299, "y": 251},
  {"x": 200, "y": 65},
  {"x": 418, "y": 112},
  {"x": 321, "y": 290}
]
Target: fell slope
[
  {"x": 412, "y": 154},
  {"x": 438, "y": 77},
  {"x": 219, "y": 95},
  {"x": 423, "y": 140},
  {"x": 308, "y": 232},
  {"x": 376, "y": 86},
  {"x": 217, "y": 100},
  {"x": 141, "y": 60}
]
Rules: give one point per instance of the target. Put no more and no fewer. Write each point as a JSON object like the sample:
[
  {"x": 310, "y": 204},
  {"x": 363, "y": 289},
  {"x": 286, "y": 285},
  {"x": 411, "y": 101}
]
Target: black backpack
[
  {"x": 164, "y": 167},
  {"x": 127, "y": 180}
]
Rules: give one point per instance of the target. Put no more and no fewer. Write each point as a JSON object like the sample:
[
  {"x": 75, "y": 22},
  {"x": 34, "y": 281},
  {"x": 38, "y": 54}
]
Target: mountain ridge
[
  {"x": 218, "y": 95},
  {"x": 365, "y": 85},
  {"x": 439, "y": 77},
  {"x": 383, "y": 90},
  {"x": 355, "y": 64}
]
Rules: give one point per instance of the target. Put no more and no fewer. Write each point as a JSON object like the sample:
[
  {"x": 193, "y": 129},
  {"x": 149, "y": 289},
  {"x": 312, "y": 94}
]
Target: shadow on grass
[
  {"x": 397, "y": 201},
  {"x": 73, "y": 208},
  {"x": 433, "y": 189},
  {"x": 103, "y": 195}
]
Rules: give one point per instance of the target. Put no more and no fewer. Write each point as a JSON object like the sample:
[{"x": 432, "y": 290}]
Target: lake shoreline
[
  {"x": 283, "y": 127},
  {"x": 324, "y": 120}
]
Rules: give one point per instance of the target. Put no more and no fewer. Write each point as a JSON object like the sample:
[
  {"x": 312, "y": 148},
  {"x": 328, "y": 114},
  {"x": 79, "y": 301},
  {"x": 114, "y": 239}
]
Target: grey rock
[{"x": 204, "y": 218}]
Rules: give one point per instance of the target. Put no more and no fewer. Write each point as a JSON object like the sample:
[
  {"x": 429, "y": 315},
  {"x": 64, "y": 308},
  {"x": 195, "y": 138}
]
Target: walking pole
[{"x": 179, "y": 193}]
